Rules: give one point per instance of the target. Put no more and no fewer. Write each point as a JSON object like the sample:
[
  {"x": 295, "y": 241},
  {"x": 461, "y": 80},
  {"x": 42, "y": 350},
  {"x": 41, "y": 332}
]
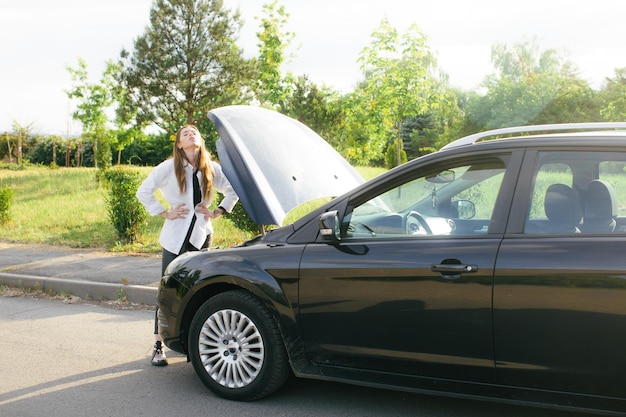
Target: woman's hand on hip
[{"x": 177, "y": 212}]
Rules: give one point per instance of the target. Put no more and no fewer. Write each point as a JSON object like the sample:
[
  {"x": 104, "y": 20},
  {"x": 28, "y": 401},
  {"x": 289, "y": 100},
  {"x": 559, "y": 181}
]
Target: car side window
[
  {"x": 548, "y": 175},
  {"x": 614, "y": 173},
  {"x": 457, "y": 200},
  {"x": 578, "y": 193}
]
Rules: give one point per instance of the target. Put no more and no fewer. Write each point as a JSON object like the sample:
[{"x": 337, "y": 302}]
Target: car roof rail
[{"x": 559, "y": 127}]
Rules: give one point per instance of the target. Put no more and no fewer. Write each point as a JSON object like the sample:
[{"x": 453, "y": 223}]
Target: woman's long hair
[{"x": 204, "y": 165}]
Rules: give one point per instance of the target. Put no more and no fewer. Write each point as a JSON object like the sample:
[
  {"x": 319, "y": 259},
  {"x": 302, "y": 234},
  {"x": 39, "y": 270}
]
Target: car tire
[{"x": 236, "y": 347}]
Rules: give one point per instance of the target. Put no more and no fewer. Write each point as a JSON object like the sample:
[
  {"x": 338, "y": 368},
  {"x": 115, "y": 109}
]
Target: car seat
[
  {"x": 562, "y": 207},
  {"x": 599, "y": 208}
]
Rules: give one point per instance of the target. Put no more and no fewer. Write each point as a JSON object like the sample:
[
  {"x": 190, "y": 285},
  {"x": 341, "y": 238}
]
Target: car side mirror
[
  {"x": 329, "y": 226},
  {"x": 462, "y": 209}
]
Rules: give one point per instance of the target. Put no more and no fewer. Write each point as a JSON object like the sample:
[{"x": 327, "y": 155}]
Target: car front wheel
[{"x": 236, "y": 348}]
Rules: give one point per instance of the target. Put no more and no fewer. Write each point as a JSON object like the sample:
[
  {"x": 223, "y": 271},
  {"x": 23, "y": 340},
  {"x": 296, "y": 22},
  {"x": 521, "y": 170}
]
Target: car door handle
[{"x": 453, "y": 271}]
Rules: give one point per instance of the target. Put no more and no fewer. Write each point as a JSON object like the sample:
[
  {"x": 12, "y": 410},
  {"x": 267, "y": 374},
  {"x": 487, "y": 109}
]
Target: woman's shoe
[{"x": 158, "y": 357}]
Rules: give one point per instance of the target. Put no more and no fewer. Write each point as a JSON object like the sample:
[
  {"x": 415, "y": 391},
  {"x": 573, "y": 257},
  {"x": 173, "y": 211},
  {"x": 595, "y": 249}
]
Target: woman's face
[{"x": 189, "y": 138}]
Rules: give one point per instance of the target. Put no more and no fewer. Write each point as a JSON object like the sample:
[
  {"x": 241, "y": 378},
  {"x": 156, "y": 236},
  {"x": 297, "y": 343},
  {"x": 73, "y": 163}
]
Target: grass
[{"x": 66, "y": 207}]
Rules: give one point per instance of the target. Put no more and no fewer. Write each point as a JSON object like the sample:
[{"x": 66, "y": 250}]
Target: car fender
[{"x": 228, "y": 271}]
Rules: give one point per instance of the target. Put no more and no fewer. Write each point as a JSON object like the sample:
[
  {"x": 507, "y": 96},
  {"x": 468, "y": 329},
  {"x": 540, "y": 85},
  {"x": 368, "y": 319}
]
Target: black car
[{"x": 493, "y": 268}]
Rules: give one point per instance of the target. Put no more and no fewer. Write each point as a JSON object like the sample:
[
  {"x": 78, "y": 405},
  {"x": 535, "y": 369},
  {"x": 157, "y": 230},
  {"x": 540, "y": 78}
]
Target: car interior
[{"x": 583, "y": 200}]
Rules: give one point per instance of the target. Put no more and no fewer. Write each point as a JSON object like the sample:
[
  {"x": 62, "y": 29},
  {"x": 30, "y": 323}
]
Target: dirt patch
[{"x": 7, "y": 291}]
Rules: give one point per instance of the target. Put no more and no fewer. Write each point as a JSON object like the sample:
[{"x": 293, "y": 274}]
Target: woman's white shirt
[{"x": 174, "y": 231}]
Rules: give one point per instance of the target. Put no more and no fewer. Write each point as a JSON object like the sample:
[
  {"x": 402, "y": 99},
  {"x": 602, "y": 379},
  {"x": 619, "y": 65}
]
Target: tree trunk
[
  {"x": 399, "y": 144},
  {"x": 9, "y": 146},
  {"x": 19, "y": 148}
]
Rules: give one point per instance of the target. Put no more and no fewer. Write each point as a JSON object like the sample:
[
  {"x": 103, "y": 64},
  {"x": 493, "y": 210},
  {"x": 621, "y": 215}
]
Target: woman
[{"x": 187, "y": 182}]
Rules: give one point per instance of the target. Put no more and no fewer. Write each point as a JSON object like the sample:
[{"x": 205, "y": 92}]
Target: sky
[{"x": 39, "y": 39}]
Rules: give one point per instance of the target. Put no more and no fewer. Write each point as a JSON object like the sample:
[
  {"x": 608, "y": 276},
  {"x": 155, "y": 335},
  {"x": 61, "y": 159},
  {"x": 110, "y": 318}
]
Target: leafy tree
[
  {"x": 526, "y": 81},
  {"x": 360, "y": 138},
  {"x": 272, "y": 88},
  {"x": 337, "y": 121},
  {"x": 125, "y": 119},
  {"x": 84, "y": 153},
  {"x": 9, "y": 144},
  {"x": 47, "y": 150},
  {"x": 95, "y": 100},
  {"x": 148, "y": 150},
  {"x": 298, "y": 97},
  {"x": 401, "y": 81},
  {"x": 22, "y": 133},
  {"x": 575, "y": 101},
  {"x": 313, "y": 106},
  {"x": 124, "y": 137},
  {"x": 185, "y": 63},
  {"x": 614, "y": 93}
]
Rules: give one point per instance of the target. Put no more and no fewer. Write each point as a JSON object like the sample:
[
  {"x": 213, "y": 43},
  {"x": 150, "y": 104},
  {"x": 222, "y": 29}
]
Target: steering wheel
[{"x": 414, "y": 224}]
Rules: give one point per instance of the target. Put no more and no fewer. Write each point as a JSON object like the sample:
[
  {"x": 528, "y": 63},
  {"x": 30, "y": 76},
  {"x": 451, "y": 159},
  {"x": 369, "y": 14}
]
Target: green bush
[
  {"x": 125, "y": 212},
  {"x": 6, "y": 199},
  {"x": 13, "y": 167},
  {"x": 391, "y": 156},
  {"x": 240, "y": 218}
]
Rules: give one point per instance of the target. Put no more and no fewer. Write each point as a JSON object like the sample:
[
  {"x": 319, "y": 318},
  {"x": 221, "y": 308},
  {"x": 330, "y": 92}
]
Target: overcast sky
[{"x": 40, "y": 38}]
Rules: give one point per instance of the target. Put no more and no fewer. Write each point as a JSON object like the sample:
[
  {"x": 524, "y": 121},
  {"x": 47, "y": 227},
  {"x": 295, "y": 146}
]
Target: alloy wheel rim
[{"x": 231, "y": 348}]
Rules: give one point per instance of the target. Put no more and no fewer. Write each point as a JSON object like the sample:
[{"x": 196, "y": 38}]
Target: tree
[
  {"x": 46, "y": 150},
  {"x": 614, "y": 93},
  {"x": 185, "y": 63},
  {"x": 526, "y": 82},
  {"x": 401, "y": 81},
  {"x": 148, "y": 150},
  {"x": 124, "y": 137},
  {"x": 22, "y": 132},
  {"x": 419, "y": 135},
  {"x": 272, "y": 88},
  {"x": 125, "y": 119},
  {"x": 95, "y": 100},
  {"x": 575, "y": 101},
  {"x": 11, "y": 143},
  {"x": 314, "y": 106}
]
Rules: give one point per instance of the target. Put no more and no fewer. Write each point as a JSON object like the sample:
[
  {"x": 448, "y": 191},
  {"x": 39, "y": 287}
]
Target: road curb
[{"x": 84, "y": 289}]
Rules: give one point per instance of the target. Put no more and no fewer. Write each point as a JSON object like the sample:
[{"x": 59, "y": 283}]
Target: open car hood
[{"x": 275, "y": 163}]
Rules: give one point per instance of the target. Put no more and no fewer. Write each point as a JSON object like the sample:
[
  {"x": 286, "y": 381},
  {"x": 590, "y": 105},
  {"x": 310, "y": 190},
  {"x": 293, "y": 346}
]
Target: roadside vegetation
[{"x": 66, "y": 206}]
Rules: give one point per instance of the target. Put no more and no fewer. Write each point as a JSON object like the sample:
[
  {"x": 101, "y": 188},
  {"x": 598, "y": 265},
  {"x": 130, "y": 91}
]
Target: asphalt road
[{"x": 65, "y": 360}]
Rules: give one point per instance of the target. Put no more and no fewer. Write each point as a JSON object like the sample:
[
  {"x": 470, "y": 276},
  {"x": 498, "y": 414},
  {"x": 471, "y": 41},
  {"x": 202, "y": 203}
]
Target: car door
[
  {"x": 393, "y": 296},
  {"x": 560, "y": 284}
]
